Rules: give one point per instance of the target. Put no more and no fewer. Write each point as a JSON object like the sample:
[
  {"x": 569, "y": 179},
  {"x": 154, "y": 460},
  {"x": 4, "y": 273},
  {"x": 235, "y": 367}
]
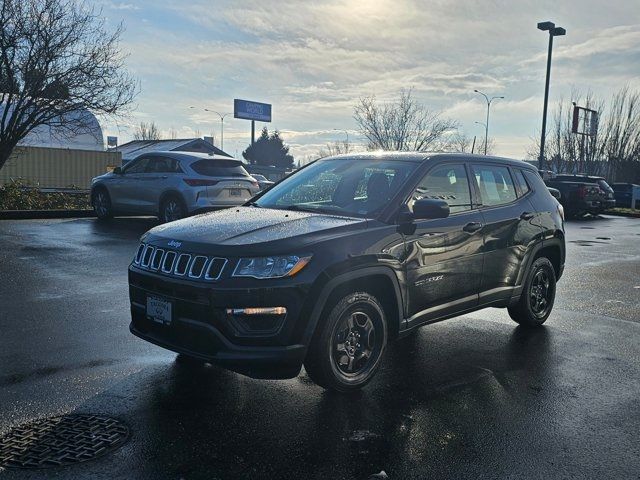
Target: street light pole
[
  {"x": 553, "y": 32},
  {"x": 486, "y": 125},
  {"x": 345, "y": 132},
  {"x": 221, "y": 115}
]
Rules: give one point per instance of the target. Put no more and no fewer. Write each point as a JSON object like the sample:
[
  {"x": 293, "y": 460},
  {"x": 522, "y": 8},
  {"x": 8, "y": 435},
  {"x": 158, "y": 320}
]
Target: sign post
[{"x": 253, "y": 111}]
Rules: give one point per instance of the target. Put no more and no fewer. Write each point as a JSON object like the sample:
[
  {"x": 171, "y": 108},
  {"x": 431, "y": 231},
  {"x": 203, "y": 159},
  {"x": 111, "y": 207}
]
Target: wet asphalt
[{"x": 472, "y": 397}]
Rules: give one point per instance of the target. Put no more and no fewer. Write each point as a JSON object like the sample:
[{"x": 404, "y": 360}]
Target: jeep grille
[{"x": 169, "y": 262}]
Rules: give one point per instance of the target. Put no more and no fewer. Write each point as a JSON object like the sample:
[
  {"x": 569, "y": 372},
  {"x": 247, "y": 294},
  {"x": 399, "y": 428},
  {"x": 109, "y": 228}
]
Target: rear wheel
[
  {"x": 101, "y": 202},
  {"x": 538, "y": 295},
  {"x": 172, "y": 208},
  {"x": 346, "y": 351}
]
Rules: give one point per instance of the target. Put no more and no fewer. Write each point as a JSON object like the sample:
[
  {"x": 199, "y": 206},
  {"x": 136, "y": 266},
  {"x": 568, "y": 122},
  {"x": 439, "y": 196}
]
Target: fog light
[{"x": 257, "y": 311}]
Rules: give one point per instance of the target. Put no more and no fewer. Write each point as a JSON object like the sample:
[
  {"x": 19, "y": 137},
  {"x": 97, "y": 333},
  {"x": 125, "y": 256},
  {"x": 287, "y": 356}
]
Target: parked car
[
  {"x": 172, "y": 185},
  {"x": 263, "y": 181},
  {"x": 627, "y": 195},
  {"x": 581, "y": 194},
  {"x": 343, "y": 256}
]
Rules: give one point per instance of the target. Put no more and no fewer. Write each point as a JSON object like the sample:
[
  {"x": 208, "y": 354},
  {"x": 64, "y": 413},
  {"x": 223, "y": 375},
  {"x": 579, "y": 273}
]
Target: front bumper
[{"x": 202, "y": 328}]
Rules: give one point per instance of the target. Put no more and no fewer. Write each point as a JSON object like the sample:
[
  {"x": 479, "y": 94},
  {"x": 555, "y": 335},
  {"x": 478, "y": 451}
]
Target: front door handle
[
  {"x": 472, "y": 227},
  {"x": 526, "y": 216}
]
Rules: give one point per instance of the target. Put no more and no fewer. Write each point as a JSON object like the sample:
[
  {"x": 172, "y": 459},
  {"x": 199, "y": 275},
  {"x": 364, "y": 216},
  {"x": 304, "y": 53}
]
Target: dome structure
[{"x": 88, "y": 136}]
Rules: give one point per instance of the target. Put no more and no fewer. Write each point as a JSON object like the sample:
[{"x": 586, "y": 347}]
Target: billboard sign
[
  {"x": 248, "y": 110},
  {"x": 585, "y": 121}
]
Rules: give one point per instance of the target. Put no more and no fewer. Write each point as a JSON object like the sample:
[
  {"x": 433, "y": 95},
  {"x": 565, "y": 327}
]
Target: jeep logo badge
[{"x": 174, "y": 244}]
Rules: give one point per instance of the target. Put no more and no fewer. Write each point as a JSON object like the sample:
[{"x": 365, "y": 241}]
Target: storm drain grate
[{"x": 59, "y": 441}]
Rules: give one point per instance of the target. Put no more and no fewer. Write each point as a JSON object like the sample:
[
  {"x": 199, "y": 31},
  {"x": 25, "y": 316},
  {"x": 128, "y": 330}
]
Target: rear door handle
[
  {"x": 526, "y": 216},
  {"x": 472, "y": 227}
]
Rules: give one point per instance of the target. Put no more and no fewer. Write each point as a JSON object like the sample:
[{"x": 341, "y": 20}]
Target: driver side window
[
  {"x": 448, "y": 183},
  {"x": 137, "y": 166}
]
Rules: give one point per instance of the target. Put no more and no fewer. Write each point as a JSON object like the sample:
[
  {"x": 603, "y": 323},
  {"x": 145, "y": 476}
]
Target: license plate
[
  {"x": 159, "y": 310},
  {"x": 235, "y": 192}
]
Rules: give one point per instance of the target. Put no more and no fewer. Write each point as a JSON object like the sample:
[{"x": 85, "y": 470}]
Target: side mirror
[
  {"x": 430, "y": 208},
  {"x": 117, "y": 170}
]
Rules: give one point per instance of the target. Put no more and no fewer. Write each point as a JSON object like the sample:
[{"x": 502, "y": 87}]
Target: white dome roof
[{"x": 89, "y": 138}]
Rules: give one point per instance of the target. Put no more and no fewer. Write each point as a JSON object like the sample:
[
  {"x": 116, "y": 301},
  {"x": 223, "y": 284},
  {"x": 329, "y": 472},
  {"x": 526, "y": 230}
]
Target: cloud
[{"x": 314, "y": 60}]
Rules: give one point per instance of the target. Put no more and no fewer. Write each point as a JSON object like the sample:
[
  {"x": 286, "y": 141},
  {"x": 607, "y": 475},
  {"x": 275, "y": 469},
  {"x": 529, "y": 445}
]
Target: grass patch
[{"x": 624, "y": 212}]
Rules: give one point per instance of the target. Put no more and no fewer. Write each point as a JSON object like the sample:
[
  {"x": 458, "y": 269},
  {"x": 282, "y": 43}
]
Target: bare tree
[
  {"x": 402, "y": 125},
  {"x": 57, "y": 60},
  {"x": 197, "y": 133},
  {"x": 616, "y": 144},
  {"x": 336, "y": 148},
  {"x": 459, "y": 142},
  {"x": 173, "y": 133},
  {"x": 147, "y": 131},
  {"x": 621, "y": 133}
]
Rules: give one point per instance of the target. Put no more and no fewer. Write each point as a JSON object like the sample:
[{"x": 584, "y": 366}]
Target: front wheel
[
  {"x": 538, "y": 295},
  {"x": 346, "y": 351},
  {"x": 171, "y": 209},
  {"x": 102, "y": 204}
]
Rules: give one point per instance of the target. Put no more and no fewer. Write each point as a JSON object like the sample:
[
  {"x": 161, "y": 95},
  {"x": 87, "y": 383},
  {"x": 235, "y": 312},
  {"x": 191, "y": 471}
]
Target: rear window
[{"x": 219, "y": 168}]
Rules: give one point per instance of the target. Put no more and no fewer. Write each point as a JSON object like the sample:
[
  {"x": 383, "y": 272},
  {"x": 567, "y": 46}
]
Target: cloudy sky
[{"x": 313, "y": 59}]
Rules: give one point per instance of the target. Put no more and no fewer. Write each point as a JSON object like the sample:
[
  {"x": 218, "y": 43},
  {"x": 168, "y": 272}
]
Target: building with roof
[
  {"x": 134, "y": 148},
  {"x": 87, "y": 135}
]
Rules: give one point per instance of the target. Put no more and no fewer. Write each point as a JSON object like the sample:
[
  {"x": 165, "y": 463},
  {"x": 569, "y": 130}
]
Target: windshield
[
  {"x": 350, "y": 187},
  {"x": 219, "y": 168}
]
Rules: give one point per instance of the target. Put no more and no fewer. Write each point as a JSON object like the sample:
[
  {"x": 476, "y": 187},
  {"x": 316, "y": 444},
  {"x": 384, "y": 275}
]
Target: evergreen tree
[{"x": 269, "y": 150}]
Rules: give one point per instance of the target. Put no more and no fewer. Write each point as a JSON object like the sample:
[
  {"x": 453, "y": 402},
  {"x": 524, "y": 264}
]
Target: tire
[
  {"x": 538, "y": 295},
  {"x": 101, "y": 202},
  {"x": 172, "y": 208},
  {"x": 338, "y": 357}
]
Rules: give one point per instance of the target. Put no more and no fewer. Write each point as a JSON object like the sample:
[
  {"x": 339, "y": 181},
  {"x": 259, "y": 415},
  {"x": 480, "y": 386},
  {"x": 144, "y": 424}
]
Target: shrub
[{"x": 18, "y": 195}]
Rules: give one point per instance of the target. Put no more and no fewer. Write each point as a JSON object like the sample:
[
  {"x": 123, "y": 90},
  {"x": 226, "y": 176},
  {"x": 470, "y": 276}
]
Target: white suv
[{"x": 172, "y": 185}]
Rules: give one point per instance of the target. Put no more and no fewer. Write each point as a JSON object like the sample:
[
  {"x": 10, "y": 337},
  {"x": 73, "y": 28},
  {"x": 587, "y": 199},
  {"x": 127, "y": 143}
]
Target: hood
[{"x": 244, "y": 226}]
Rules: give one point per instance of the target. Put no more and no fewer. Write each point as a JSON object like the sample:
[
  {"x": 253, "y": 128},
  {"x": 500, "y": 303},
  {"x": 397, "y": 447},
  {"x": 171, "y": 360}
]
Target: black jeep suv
[{"x": 330, "y": 264}]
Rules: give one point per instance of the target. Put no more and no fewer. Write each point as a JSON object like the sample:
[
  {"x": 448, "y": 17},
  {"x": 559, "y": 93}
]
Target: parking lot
[{"x": 473, "y": 397}]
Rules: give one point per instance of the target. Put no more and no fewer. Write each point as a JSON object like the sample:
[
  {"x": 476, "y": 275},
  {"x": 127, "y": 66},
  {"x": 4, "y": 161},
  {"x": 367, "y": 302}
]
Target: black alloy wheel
[
  {"x": 539, "y": 292},
  {"x": 349, "y": 343}
]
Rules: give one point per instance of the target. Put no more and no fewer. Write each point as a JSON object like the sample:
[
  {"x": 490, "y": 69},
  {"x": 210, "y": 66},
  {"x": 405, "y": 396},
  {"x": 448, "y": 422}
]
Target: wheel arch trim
[{"x": 335, "y": 282}]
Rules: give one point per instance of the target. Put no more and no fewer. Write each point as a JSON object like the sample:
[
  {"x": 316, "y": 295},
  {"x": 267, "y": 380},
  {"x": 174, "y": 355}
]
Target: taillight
[{"x": 199, "y": 182}]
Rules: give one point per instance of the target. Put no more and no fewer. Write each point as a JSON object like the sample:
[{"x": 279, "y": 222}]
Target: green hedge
[{"x": 22, "y": 196}]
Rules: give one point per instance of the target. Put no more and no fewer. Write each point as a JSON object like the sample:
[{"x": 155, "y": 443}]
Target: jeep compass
[{"x": 350, "y": 252}]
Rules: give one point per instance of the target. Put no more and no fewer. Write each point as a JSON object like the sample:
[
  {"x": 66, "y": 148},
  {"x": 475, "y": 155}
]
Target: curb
[{"x": 35, "y": 214}]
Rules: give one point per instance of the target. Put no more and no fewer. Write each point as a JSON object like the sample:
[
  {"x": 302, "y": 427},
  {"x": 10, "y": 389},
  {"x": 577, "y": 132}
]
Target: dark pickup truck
[{"x": 582, "y": 194}]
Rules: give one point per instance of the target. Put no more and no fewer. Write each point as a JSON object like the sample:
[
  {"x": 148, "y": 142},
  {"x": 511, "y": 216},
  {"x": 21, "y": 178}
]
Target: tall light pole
[
  {"x": 553, "y": 32},
  {"x": 486, "y": 125},
  {"x": 345, "y": 132},
  {"x": 221, "y": 115}
]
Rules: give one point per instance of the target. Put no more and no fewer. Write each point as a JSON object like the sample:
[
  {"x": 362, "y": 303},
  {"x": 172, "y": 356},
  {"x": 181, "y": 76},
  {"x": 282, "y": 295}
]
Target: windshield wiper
[
  {"x": 254, "y": 204},
  {"x": 302, "y": 208}
]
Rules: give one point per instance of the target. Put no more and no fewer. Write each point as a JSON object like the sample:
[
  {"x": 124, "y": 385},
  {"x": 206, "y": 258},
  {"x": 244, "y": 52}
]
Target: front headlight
[{"x": 270, "y": 267}]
